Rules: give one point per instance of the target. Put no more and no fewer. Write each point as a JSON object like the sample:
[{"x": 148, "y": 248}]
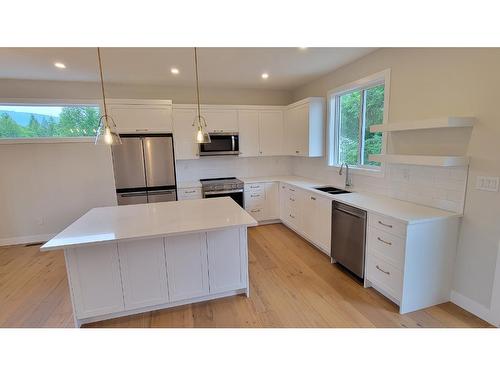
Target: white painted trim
[
  {"x": 33, "y": 102},
  {"x": 140, "y": 101},
  {"x": 26, "y": 239},
  {"x": 495, "y": 294},
  {"x": 232, "y": 106},
  {"x": 472, "y": 306}
]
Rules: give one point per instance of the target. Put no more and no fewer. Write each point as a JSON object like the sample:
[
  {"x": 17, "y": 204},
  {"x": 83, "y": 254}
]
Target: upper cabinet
[
  {"x": 185, "y": 146},
  {"x": 220, "y": 120},
  {"x": 261, "y": 132},
  {"x": 271, "y": 133},
  {"x": 304, "y": 128},
  {"x": 141, "y": 116}
]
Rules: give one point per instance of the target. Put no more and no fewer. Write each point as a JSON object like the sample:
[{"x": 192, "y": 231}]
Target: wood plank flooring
[{"x": 292, "y": 284}]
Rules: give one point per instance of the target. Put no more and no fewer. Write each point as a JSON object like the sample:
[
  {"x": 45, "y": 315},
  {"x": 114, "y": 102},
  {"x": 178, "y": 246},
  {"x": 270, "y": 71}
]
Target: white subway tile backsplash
[{"x": 438, "y": 187}]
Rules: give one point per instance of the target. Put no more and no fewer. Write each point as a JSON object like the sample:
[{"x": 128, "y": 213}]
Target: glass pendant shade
[
  {"x": 202, "y": 135},
  {"x": 107, "y": 134}
]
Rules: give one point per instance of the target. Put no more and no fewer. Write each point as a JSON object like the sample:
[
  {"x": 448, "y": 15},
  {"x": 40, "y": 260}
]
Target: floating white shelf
[
  {"x": 435, "y": 123},
  {"x": 438, "y": 161}
]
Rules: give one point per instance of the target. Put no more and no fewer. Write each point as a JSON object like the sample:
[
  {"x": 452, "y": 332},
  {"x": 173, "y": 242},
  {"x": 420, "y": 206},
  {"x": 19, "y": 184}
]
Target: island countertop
[{"x": 106, "y": 224}]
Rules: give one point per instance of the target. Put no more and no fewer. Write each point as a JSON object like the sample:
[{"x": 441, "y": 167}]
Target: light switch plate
[{"x": 487, "y": 183}]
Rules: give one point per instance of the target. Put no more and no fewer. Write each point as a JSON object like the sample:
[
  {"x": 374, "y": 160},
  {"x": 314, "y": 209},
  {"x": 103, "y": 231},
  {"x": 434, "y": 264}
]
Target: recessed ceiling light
[
  {"x": 174, "y": 71},
  {"x": 265, "y": 76},
  {"x": 303, "y": 48},
  {"x": 59, "y": 65}
]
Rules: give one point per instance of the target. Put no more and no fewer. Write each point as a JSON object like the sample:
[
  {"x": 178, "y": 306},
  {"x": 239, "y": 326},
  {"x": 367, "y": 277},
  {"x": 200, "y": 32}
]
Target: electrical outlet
[
  {"x": 487, "y": 183},
  {"x": 406, "y": 174}
]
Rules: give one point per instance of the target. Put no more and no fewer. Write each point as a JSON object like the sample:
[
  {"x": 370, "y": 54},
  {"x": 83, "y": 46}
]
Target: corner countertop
[
  {"x": 140, "y": 221},
  {"x": 410, "y": 213}
]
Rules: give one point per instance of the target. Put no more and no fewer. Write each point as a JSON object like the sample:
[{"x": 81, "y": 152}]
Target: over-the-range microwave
[{"x": 221, "y": 144}]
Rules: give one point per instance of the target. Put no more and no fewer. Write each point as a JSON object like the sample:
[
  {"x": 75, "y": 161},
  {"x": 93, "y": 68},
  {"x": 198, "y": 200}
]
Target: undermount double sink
[{"x": 331, "y": 190}]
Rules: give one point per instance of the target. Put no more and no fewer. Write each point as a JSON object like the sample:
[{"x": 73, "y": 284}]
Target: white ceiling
[{"x": 288, "y": 68}]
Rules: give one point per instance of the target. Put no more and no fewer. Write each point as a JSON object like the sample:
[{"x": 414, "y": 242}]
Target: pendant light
[
  {"x": 200, "y": 123},
  {"x": 107, "y": 133}
]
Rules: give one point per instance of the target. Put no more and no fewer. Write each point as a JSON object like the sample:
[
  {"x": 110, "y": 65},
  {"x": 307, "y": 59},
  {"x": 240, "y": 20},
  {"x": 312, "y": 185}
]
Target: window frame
[
  {"x": 56, "y": 103},
  {"x": 333, "y": 113}
]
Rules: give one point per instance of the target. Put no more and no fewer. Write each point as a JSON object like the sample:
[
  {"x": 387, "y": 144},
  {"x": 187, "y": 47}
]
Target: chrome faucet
[{"x": 347, "y": 177}]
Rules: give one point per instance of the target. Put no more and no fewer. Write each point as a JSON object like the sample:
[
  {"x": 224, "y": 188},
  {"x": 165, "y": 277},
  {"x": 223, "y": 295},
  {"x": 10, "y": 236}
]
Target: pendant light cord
[
  {"x": 197, "y": 84},
  {"x": 102, "y": 82}
]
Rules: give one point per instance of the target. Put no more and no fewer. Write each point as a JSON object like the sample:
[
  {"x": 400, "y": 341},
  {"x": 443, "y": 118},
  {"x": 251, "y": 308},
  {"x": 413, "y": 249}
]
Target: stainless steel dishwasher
[{"x": 349, "y": 237}]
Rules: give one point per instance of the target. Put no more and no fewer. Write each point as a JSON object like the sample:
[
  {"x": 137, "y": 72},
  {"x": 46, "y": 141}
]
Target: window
[
  {"x": 353, "y": 109},
  {"x": 48, "y": 121}
]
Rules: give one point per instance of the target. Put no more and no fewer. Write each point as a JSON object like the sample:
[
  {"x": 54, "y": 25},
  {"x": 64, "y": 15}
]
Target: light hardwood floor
[{"x": 292, "y": 284}]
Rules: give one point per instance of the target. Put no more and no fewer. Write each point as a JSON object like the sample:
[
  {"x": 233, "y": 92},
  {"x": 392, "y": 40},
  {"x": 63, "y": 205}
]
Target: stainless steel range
[{"x": 223, "y": 187}]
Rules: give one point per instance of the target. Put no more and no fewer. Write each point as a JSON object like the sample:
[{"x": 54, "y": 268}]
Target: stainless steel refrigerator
[{"x": 144, "y": 169}]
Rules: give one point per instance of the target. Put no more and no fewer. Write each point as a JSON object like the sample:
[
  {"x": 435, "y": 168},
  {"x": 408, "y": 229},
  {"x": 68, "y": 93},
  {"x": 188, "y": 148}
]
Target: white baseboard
[
  {"x": 473, "y": 307},
  {"x": 25, "y": 239}
]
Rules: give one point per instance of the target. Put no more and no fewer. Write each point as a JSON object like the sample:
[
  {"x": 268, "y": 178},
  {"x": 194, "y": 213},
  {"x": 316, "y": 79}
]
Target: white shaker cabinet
[
  {"x": 316, "y": 220},
  {"x": 95, "y": 280},
  {"x": 148, "y": 287},
  {"x": 187, "y": 269},
  {"x": 271, "y": 133},
  {"x": 305, "y": 128},
  {"x": 189, "y": 193},
  {"x": 262, "y": 200},
  {"x": 141, "y": 116},
  {"x": 248, "y": 123},
  {"x": 220, "y": 120},
  {"x": 225, "y": 262},
  {"x": 185, "y": 147}
]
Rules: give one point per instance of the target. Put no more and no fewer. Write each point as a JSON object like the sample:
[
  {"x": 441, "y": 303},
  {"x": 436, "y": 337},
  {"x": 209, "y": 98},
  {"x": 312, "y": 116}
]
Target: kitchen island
[{"x": 126, "y": 260}]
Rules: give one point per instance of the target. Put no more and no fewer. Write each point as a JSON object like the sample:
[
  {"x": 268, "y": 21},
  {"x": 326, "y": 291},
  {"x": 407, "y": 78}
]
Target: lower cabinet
[
  {"x": 262, "y": 200},
  {"x": 226, "y": 265},
  {"x": 144, "y": 273},
  {"x": 95, "y": 280},
  {"x": 187, "y": 267},
  {"x": 309, "y": 214}
]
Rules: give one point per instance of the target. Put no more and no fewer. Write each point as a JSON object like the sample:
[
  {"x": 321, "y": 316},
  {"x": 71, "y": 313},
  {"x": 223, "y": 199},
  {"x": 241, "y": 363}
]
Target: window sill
[
  {"x": 371, "y": 172},
  {"x": 8, "y": 141}
]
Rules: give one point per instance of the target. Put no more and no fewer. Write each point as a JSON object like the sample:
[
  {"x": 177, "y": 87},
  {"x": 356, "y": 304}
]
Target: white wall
[
  {"x": 44, "y": 187},
  {"x": 428, "y": 83},
  {"x": 224, "y": 166}
]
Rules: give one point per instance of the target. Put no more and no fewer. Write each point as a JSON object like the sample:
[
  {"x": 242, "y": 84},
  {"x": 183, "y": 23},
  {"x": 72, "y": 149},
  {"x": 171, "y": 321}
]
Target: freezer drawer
[
  {"x": 132, "y": 198},
  {"x": 162, "y": 196},
  {"x": 159, "y": 161},
  {"x": 128, "y": 164}
]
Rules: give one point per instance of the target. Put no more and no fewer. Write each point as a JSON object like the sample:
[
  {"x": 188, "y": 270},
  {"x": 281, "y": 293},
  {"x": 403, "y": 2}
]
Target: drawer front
[
  {"x": 387, "y": 224},
  {"x": 255, "y": 198},
  {"x": 254, "y": 187},
  {"x": 384, "y": 275},
  {"x": 389, "y": 246},
  {"x": 258, "y": 213},
  {"x": 190, "y": 193}
]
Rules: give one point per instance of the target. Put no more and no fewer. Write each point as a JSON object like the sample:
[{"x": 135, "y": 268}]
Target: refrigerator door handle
[
  {"x": 161, "y": 192},
  {"x": 127, "y": 195}
]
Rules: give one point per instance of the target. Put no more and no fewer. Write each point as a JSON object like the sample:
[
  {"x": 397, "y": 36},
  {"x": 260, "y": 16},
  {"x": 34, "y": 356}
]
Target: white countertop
[
  {"x": 106, "y": 224},
  {"x": 408, "y": 212}
]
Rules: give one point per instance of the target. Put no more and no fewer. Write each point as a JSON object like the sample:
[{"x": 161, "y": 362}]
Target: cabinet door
[
  {"x": 221, "y": 120},
  {"x": 271, "y": 133},
  {"x": 187, "y": 271},
  {"x": 132, "y": 118},
  {"x": 272, "y": 205},
  {"x": 94, "y": 273},
  {"x": 185, "y": 146},
  {"x": 283, "y": 192},
  {"x": 324, "y": 220},
  {"x": 310, "y": 220},
  {"x": 248, "y": 123},
  {"x": 298, "y": 130},
  {"x": 225, "y": 260},
  {"x": 144, "y": 273}
]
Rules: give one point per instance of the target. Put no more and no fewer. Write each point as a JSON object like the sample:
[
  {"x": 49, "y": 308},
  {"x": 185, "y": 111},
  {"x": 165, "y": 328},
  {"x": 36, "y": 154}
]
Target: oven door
[
  {"x": 221, "y": 144},
  {"x": 236, "y": 195}
]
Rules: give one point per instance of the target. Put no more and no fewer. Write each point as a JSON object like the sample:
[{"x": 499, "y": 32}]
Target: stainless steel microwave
[{"x": 221, "y": 144}]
